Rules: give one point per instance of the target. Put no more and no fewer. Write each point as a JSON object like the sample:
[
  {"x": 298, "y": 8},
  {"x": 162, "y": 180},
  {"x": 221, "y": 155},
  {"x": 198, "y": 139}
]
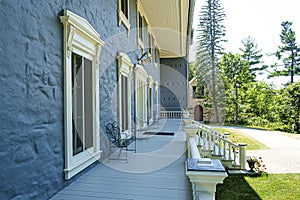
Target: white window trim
[
  {"x": 141, "y": 95},
  {"x": 150, "y": 85},
  {"x": 125, "y": 68},
  {"x": 80, "y": 37},
  {"x": 150, "y": 41},
  {"x": 121, "y": 16},
  {"x": 140, "y": 42},
  {"x": 156, "y": 55},
  {"x": 157, "y": 100}
]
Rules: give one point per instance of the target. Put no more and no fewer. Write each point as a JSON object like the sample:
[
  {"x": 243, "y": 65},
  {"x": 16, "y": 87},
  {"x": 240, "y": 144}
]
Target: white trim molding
[
  {"x": 141, "y": 96},
  {"x": 82, "y": 39},
  {"x": 156, "y": 85},
  {"x": 124, "y": 69},
  {"x": 150, "y": 98}
]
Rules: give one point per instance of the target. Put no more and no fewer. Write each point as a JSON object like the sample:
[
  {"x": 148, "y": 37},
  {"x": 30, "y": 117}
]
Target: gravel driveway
[{"x": 283, "y": 155}]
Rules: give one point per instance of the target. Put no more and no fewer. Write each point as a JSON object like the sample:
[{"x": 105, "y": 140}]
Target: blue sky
[{"x": 260, "y": 19}]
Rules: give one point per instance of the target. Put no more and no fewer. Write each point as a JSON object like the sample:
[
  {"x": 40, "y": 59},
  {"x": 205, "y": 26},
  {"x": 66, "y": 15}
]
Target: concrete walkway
[{"x": 283, "y": 155}]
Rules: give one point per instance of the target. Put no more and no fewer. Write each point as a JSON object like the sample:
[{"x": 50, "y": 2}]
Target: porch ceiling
[{"x": 169, "y": 24}]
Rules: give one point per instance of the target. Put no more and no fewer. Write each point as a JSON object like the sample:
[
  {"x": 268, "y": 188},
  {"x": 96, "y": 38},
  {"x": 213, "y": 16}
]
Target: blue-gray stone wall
[
  {"x": 31, "y": 86},
  {"x": 174, "y": 83}
]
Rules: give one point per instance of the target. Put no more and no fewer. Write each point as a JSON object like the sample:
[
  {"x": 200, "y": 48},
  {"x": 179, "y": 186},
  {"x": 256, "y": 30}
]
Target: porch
[{"x": 155, "y": 171}]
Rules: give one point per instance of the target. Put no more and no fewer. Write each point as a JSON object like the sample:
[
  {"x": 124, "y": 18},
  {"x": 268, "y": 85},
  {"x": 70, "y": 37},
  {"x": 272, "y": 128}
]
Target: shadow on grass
[{"x": 235, "y": 187}]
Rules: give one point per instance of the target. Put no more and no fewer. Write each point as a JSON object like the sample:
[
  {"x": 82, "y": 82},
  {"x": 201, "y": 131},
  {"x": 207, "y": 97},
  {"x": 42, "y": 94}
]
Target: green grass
[
  {"x": 265, "y": 187},
  {"x": 239, "y": 137}
]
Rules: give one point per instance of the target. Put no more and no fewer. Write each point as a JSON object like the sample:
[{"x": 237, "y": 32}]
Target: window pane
[
  {"x": 77, "y": 114},
  {"x": 88, "y": 103},
  {"x": 124, "y": 102},
  {"x": 124, "y": 7},
  {"x": 140, "y": 26},
  {"x": 150, "y": 103},
  {"x": 149, "y": 43}
]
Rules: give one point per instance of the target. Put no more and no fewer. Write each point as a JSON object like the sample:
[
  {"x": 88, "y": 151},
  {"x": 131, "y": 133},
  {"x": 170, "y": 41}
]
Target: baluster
[
  {"x": 205, "y": 140},
  {"x": 229, "y": 151},
  {"x": 224, "y": 149},
  {"x": 214, "y": 144},
  {"x": 209, "y": 141},
  {"x": 220, "y": 146},
  {"x": 234, "y": 154}
]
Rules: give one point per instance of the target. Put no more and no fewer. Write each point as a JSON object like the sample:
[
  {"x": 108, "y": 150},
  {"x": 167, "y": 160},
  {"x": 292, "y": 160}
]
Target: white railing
[
  {"x": 220, "y": 145},
  {"x": 171, "y": 114},
  {"x": 202, "y": 172}
]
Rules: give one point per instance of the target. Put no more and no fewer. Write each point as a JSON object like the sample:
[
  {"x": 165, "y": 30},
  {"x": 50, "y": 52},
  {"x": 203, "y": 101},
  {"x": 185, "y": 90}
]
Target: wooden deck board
[{"x": 104, "y": 182}]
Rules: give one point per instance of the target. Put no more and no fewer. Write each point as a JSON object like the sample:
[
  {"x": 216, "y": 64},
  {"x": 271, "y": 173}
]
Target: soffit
[{"x": 169, "y": 23}]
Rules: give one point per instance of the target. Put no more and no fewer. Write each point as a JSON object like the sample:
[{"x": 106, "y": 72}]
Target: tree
[
  {"x": 288, "y": 53},
  {"x": 252, "y": 56},
  {"x": 235, "y": 73},
  {"x": 290, "y": 107},
  {"x": 211, "y": 30}
]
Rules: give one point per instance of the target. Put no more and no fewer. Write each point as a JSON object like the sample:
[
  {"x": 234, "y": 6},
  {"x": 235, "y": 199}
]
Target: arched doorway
[{"x": 198, "y": 113}]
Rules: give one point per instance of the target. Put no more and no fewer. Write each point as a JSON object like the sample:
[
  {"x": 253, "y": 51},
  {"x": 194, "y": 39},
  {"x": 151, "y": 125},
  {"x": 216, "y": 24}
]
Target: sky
[{"x": 259, "y": 19}]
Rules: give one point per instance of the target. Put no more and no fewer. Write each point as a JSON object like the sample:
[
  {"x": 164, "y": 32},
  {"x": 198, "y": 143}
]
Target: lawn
[
  {"x": 239, "y": 137},
  {"x": 265, "y": 187}
]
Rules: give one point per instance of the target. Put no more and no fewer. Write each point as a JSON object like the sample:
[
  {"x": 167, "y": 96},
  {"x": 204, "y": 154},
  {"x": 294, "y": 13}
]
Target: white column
[
  {"x": 205, "y": 183},
  {"x": 242, "y": 155}
]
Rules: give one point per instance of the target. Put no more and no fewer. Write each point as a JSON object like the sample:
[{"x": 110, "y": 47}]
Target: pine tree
[
  {"x": 288, "y": 53},
  {"x": 252, "y": 56},
  {"x": 211, "y": 31}
]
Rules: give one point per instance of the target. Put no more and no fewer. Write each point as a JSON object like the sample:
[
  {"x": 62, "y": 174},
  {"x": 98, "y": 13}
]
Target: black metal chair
[{"x": 117, "y": 139}]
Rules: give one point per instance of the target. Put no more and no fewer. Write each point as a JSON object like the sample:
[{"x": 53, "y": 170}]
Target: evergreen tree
[
  {"x": 252, "y": 56},
  {"x": 288, "y": 53},
  {"x": 211, "y": 30}
]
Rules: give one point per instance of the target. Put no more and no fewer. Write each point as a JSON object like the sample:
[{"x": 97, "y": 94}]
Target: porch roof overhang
[{"x": 170, "y": 22}]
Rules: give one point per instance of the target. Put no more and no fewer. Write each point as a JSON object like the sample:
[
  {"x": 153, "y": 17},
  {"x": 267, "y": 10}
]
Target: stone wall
[
  {"x": 193, "y": 102},
  {"x": 31, "y": 85}
]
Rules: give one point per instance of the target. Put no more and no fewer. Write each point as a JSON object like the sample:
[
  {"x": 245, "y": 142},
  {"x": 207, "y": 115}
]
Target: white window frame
[
  {"x": 141, "y": 96},
  {"x": 122, "y": 17},
  {"x": 80, "y": 38},
  {"x": 150, "y": 40},
  {"x": 150, "y": 98},
  {"x": 124, "y": 68},
  {"x": 157, "y": 100},
  {"x": 156, "y": 55},
  {"x": 139, "y": 30}
]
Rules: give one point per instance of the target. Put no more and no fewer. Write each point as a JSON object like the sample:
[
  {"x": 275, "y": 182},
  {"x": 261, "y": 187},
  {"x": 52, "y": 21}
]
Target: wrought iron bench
[{"x": 118, "y": 139}]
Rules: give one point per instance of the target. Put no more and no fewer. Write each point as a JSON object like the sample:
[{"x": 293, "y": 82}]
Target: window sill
[{"x": 80, "y": 162}]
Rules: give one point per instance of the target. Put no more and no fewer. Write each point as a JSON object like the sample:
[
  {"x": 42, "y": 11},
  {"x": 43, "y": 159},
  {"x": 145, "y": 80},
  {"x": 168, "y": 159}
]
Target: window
[
  {"x": 141, "y": 96},
  {"x": 198, "y": 92},
  {"x": 82, "y": 104},
  {"x": 123, "y": 13},
  {"x": 150, "y": 45},
  {"x": 156, "y": 107},
  {"x": 140, "y": 22},
  {"x": 81, "y": 93},
  {"x": 156, "y": 56},
  {"x": 124, "y": 92},
  {"x": 124, "y": 8},
  {"x": 150, "y": 99}
]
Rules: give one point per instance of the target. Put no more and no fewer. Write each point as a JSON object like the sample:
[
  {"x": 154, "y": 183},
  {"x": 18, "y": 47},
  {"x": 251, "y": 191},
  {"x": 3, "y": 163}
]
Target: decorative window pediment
[
  {"x": 124, "y": 91},
  {"x": 82, "y": 46}
]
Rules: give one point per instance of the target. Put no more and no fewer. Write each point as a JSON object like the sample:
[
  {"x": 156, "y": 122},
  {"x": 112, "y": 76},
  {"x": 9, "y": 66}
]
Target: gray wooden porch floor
[{"x": 158, "y": 174}]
